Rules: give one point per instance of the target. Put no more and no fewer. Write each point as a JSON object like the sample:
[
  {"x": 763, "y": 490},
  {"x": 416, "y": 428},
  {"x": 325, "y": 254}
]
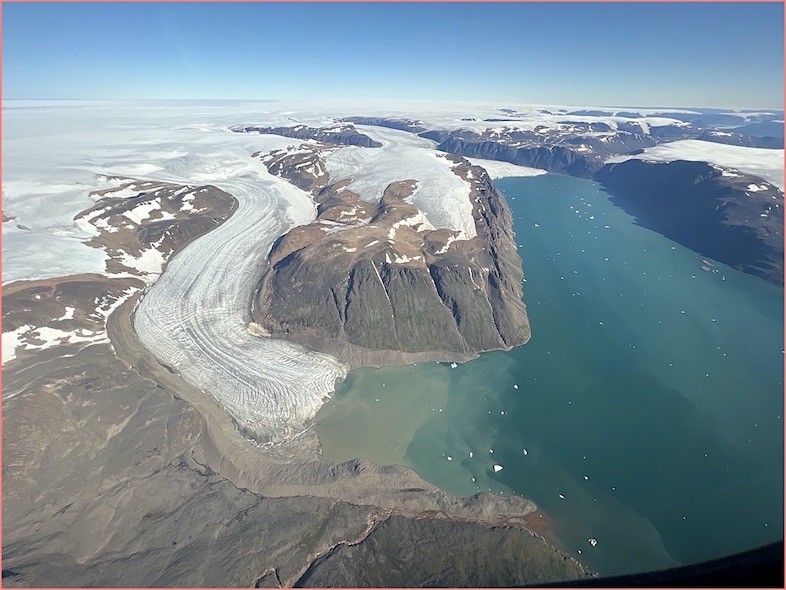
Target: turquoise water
[{"x": 645, "y": 414}]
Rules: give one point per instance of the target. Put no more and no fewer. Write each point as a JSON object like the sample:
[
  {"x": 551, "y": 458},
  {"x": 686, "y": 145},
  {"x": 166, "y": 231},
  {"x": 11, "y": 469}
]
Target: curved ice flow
[{"x": 195, "y": 317}]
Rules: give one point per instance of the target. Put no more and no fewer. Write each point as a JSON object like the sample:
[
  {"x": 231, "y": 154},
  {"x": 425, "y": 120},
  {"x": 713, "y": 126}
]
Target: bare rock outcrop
[{"x": 376, "y": 283}]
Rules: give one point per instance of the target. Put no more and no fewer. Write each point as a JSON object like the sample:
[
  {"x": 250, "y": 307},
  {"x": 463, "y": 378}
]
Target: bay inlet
[{"x": 645, "y": 416}]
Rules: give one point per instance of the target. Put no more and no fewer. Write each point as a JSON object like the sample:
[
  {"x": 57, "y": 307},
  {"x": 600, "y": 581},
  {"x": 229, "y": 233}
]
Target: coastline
[{"x": 212, "y": 445}]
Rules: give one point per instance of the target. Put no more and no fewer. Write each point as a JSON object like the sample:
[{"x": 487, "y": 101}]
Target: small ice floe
[
  {"x": 497, "y": 467},
  {"x": 453, "y": 365},
  {"x": 592, "y": 541},
  {"x": 515, "y": 386}
]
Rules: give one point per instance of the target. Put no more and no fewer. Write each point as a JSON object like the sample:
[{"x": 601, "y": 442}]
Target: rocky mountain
[
  {"x": 576, "y": 148},
  {"x": 554, "y": 158},
  {"x": 376, "y": 283},
  {"x": 139, "y": 223},
  {"x": 401, "y": 124},
  {"x": 580, "y": 147},
  {"x": 335, "y": 134},
  {"x": 721, "y": 213}
]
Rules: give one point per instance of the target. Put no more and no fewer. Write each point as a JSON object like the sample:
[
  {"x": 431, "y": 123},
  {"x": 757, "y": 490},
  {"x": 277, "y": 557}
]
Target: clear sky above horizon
[{"x": 700, "y": 55}]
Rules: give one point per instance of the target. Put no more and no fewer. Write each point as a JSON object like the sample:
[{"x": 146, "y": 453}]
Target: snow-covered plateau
[{"x": 764, "y": 163}]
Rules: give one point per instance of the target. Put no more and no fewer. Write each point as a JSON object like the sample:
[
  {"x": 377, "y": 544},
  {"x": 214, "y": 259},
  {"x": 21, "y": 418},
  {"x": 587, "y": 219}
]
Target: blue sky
[{"x": 715, "y": 55}]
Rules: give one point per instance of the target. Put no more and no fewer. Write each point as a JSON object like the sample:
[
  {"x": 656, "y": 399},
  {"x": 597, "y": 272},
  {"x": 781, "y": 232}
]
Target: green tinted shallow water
[{"x": 646, "y": 412}]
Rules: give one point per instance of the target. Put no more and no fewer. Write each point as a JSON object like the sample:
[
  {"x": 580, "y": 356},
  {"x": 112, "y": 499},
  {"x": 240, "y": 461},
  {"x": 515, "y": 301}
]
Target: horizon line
[{"x": 779, "y": 108}]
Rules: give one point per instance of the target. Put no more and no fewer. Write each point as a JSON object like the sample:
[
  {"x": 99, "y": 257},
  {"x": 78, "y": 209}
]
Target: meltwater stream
[{"x": 645, "y": 416}]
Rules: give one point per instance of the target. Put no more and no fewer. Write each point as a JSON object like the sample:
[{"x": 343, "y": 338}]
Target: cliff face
[
  {"x": 377, "y": 284},
  {"x": 341, "y": 134},
  {"x": 726, "y": 215},
  {"x": 559, "y": 159},
  {"x": 563, "y": 151},
  {"x": 390, "y": 123}
]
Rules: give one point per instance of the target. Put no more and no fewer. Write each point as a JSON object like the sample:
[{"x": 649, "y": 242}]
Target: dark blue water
[{"x": 645, "y": 416}]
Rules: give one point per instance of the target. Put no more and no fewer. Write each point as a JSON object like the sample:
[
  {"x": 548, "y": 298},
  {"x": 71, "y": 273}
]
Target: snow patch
[
  {"x": 141, "y": 212},
  {"x": 149, "y": 262},
  {"x": 68, "y": 315}
]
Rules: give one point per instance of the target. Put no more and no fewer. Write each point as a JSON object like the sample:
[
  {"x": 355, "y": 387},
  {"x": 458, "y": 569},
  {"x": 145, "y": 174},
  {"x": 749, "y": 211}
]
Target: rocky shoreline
[{"x": 117, "y": 472}]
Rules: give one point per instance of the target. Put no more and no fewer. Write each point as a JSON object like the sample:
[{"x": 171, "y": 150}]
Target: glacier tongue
[{"x": 195, "y": 318}]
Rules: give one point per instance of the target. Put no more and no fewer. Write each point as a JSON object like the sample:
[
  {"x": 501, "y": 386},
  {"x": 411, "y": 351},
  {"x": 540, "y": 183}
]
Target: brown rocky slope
[{"x": 377, "y": 284}]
